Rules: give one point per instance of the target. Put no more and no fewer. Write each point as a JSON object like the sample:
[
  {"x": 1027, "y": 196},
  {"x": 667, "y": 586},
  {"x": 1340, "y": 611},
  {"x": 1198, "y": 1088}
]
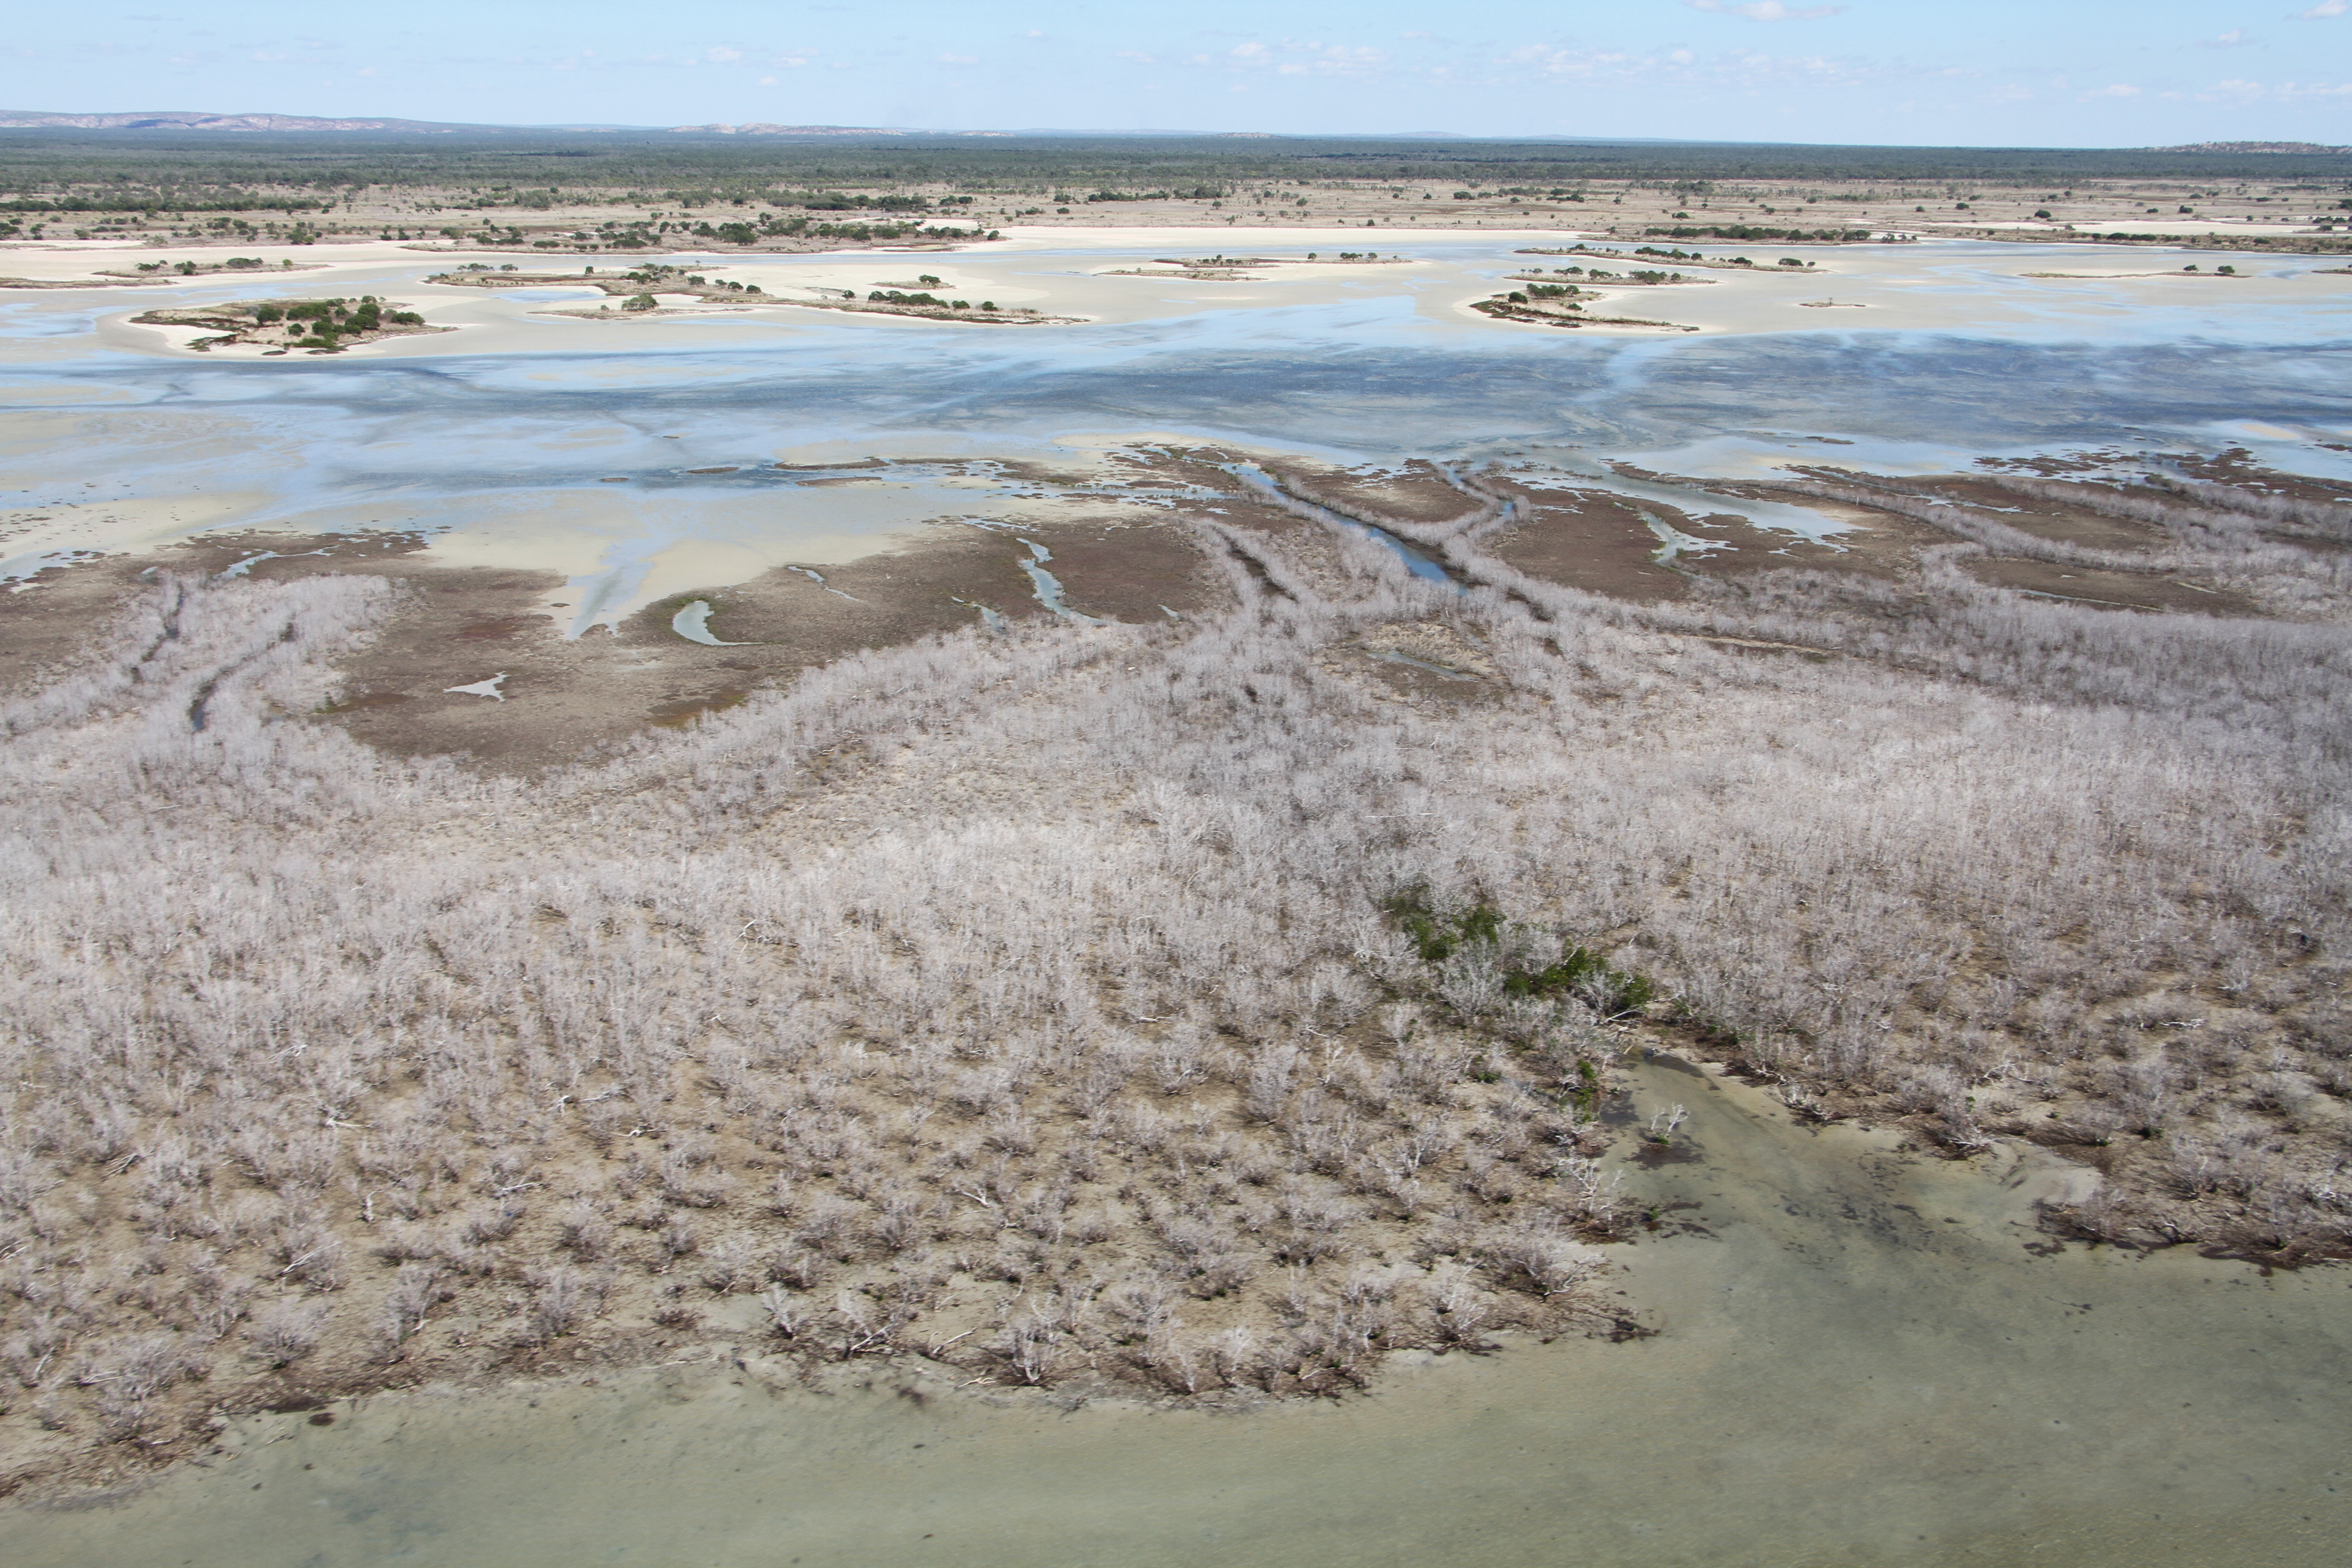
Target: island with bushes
[
  {"x": 639, "y": 290},
  {"x": 282, "y": 326}
]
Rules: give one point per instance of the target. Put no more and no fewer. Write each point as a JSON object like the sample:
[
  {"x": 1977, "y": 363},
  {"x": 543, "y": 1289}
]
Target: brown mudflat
[
  {"x": 564, "y": 696},
  {"x": 2110, "y": 590}
]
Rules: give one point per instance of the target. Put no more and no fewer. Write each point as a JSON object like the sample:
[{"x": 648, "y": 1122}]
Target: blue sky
[{"x": 1988, "y": 72}]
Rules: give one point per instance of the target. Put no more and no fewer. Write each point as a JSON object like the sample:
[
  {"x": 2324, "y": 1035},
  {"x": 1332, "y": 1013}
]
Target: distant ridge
[
  {"x": 2253, "y": 147},
  {"x": 191, "y": 120},
  {"x": 206, "y": 121},
  {"x": 761, "y": 128},
  {"x": 188, "y": 120}
]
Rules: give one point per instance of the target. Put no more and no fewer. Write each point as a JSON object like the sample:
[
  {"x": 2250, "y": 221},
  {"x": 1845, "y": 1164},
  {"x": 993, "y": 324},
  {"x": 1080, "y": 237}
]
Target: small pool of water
[
  {"x": 693, "y": 624},
  {"x": 1048, "y": 587}
]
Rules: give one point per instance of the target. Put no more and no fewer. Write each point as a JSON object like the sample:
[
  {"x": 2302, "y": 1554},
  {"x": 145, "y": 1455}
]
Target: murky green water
[{"x": 1863, "y": 1364}]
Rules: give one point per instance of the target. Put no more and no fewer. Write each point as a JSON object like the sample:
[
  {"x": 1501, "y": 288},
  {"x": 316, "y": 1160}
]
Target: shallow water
[
  {"x": 500, "y": 455},
  {"x": 1414, "y": 561},
  {"x": 693, "y": 624},
  {"x": 1048, "y": 587},
  {"x": 1865, "y": 1361}
]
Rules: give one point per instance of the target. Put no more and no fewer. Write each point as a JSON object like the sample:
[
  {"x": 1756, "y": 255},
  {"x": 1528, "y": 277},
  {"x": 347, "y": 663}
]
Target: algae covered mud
[{"x": 1869, "y": 1358}]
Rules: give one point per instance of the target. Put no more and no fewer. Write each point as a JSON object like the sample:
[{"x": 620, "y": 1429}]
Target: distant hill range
[
  {"x": 192, "y": 119},
  {"x": 761, "y": 128},
  {"x": 2253, "y": 147},
  {"x": 181, "y": 120},
  {"x": 189, "y": 120}
]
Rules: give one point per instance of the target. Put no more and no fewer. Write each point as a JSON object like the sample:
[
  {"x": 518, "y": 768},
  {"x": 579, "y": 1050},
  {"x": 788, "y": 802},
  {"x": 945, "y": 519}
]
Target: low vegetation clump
[
  {"x": 194, "y": 269},
  {"x": 635, "y": 289},
  {"x": 281, "y": 324},
  {"x": 1167, "y": 1005},
  {"x": 1560, "y": 305},
  {"x": 1766, "y": 231}
]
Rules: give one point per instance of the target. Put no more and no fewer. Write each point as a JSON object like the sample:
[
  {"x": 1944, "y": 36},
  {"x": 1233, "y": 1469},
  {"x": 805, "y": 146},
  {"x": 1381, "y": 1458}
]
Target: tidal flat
[
  {"x": 1284, "y": 921},
  {"x": 1869, "y": 1358}
]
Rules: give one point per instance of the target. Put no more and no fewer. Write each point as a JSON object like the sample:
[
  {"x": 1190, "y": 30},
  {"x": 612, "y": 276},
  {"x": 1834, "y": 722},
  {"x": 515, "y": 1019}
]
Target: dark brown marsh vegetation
[{"x": 1190, "y": 1006}]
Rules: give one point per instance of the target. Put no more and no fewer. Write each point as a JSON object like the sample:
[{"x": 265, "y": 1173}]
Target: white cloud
[
  {"x": 2287, "y": 91},
  {"x": 719, "y": 54},
  {"x": 2234, "y": 38},
  {"x": 2116, "y": 90},
  {"x": 2327, "y": 8},
  {"x": 766, "y": 81},
  {"x": 1331, "y": 59},
  {"x": 1248, "y": 51},
  {"x": 1773, "y": 11},
  {"x": 1570, "y": 62},
  {"x": 1747, "y": 69}
]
